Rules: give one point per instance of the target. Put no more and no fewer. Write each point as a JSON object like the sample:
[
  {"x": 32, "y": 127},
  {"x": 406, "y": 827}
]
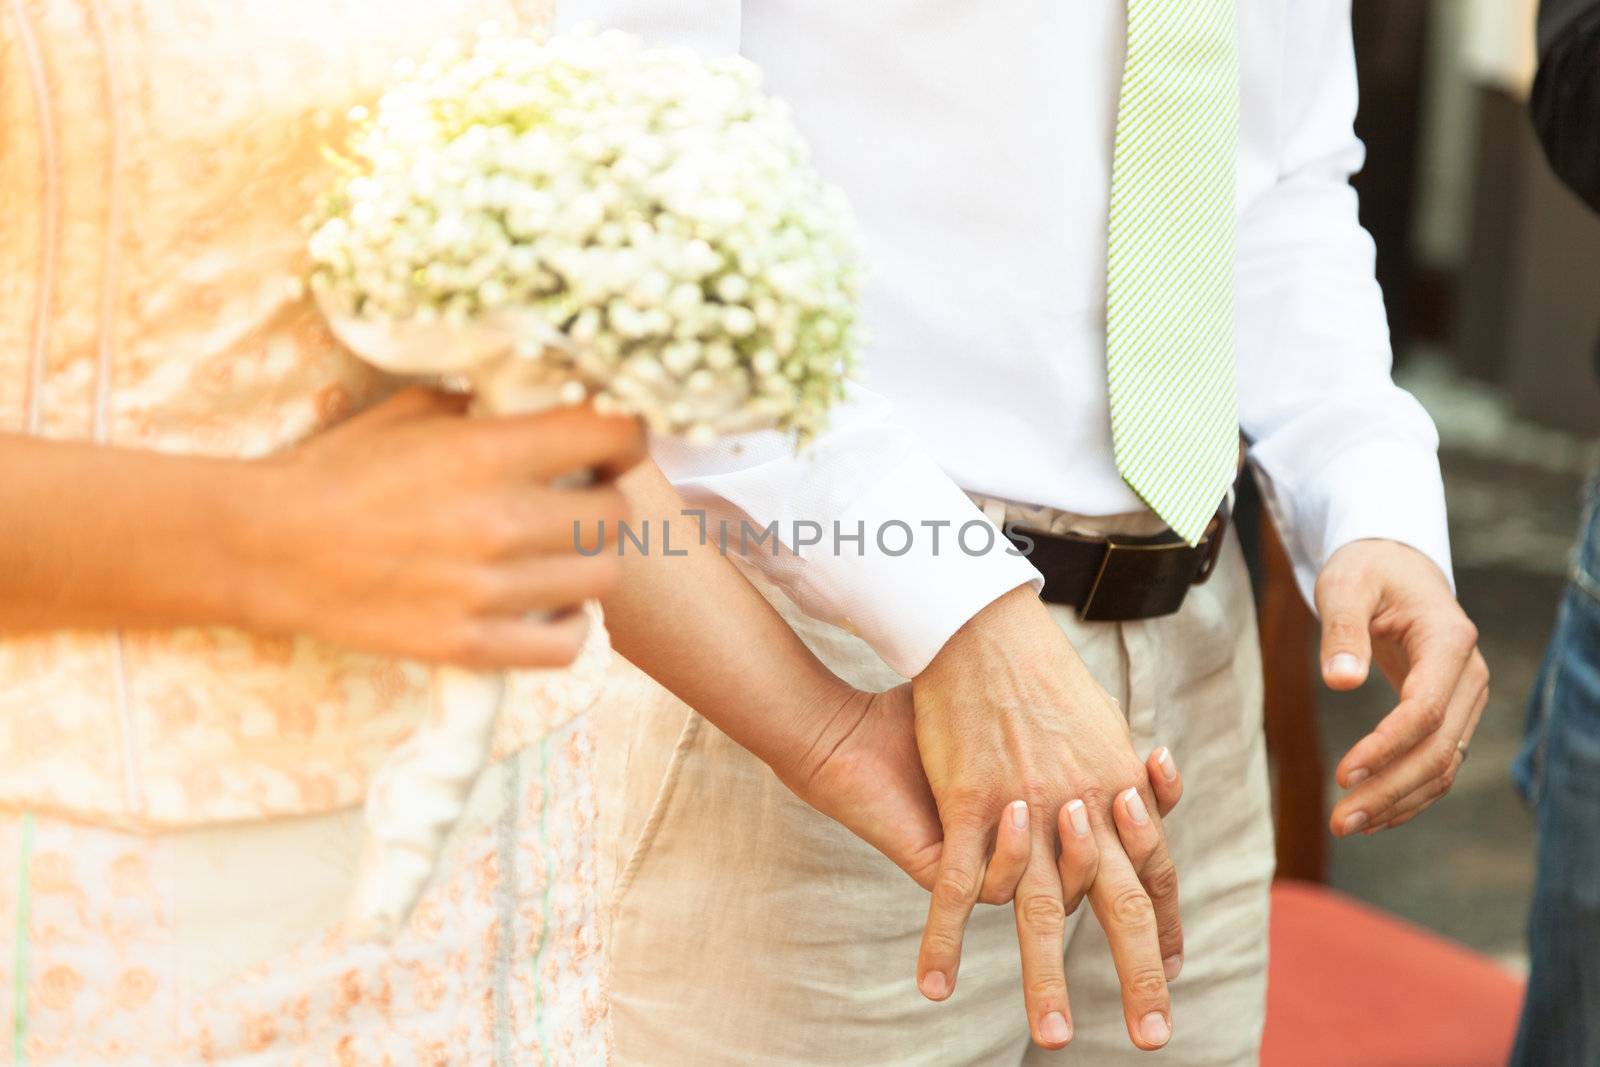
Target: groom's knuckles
[
  {"x": 1041, "y": 939},
  {"x": 1423, "y": 714},
  {"x": 954, "y": 889},
  {"x": 1426, "y": 774},
  {"x": 1140, "y": 971},
  {"x": 1395, "y": 735},
  {"x": 1045, "y": 989},
  {"x": 1096, "y": 799},
  {"x": 1145, "y": 989},
  {"x": 970, "y": 806},
  {"x": 1128, "y": 908},
  {"x": 1042, "y": 913},
  {"x": 1413, "y": 805},
  {"x": 1099, "y": 792},
  {"x": 941, "y": 950}
]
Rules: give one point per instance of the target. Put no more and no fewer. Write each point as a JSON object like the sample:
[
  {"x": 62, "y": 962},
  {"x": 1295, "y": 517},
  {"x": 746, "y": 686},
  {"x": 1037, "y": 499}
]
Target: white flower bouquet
[{"x": 555, "y": 221}]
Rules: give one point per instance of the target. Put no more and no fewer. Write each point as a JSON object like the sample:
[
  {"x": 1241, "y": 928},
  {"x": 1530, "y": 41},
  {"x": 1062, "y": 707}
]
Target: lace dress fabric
[
  {"x": 156, "y": 162},
  {"x": 215, "y": 946},
  {"x": 158, "y": 903}
]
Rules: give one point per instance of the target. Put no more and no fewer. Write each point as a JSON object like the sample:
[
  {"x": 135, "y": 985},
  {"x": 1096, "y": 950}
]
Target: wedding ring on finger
[{"x": 1463, "y": 747}]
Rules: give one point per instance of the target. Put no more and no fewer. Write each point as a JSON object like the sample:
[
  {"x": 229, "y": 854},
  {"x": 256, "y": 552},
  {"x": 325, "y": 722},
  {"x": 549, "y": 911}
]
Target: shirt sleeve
[
  {"x": 1343, "y": 453},
  {"x": 861, "y": 528}
]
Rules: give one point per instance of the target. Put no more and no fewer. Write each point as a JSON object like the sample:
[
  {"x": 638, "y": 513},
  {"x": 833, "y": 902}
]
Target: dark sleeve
[{"x": 1566, "y": 99}]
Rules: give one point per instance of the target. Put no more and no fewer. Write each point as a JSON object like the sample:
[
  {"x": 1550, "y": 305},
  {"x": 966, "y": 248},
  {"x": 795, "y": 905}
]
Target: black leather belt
[{"x": 1120, "y": 579}]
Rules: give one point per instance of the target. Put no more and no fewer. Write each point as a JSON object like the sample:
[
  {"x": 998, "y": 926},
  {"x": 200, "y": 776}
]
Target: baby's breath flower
[{"x": 635, "y": 224}]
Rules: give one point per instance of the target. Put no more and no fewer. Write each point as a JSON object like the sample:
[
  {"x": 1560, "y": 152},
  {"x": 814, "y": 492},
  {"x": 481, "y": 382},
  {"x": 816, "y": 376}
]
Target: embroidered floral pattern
[{"x": 500, "y": 963}]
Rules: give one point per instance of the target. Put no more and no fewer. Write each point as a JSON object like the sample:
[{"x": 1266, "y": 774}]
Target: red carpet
[{"x": 1352, "y": 987}]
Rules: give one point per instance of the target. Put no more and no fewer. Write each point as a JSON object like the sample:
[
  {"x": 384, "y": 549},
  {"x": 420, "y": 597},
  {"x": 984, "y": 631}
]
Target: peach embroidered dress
[{"x": 156, "y": 158}]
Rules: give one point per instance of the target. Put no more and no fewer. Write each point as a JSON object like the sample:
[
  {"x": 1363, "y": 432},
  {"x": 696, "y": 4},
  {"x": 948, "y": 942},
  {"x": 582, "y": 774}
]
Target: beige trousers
[{"x": 749, "y": 930}]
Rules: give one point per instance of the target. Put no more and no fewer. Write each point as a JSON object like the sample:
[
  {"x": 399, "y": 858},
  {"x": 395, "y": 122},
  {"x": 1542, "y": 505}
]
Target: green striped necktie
[{"x": 1169, "y": 287}]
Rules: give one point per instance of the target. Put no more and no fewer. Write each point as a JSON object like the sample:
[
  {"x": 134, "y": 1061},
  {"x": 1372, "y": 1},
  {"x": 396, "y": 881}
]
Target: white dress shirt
[{"x": 974, "y": 139}]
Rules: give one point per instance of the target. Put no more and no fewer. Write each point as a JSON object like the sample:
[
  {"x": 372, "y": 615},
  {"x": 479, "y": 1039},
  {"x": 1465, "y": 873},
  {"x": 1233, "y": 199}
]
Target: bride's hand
[
  {"x": 411, "y": 530},
  {"x": 864, "y": 772}
]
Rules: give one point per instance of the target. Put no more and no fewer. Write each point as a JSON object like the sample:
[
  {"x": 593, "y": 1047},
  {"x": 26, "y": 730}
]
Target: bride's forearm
[
  {"x": 694, "y": 624},
  {"x": 99, "y": 537},
  {"x": 407, "y": 530}
]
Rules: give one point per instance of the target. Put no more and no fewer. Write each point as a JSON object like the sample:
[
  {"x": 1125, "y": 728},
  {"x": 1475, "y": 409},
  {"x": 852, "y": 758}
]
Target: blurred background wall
[{"x": 1486, "y": 260}]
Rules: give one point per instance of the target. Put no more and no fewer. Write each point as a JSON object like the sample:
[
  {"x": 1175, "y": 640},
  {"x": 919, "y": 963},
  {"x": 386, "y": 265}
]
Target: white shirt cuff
[
  {"x": 927, "y": 561},
  {"x": 1383, "y": 490}
]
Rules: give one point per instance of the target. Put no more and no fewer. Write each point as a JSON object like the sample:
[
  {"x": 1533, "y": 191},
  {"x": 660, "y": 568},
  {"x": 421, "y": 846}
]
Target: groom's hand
[
  {"x": 1006, "y": 710},
  {"x": 1382, "y": 601}
]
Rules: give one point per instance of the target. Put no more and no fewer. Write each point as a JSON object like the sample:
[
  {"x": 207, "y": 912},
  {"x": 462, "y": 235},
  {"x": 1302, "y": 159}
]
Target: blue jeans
[{"x": 1558, "y": 771}]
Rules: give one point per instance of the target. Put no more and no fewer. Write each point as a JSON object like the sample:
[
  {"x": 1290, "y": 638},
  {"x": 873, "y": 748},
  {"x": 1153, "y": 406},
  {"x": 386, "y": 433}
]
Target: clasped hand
[
  {"x": 1005, "y": 773},
  {"x": 1044, "y": 801}
]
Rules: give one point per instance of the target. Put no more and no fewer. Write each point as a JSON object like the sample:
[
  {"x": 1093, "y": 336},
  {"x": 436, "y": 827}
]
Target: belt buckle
[
  {"x": 1215, "y": 537},
  {"x": 1140, "y": 580}
]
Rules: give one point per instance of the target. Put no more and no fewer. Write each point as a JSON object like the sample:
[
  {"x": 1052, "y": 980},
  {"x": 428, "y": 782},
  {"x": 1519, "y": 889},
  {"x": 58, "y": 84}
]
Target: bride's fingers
[
  {"x": 1012, "y": 847},
  {"x": 1165, "y": 781},
  {"x": 540, "y": 584},
  {"x": 1079, "y": 861},
  {"x": 504, "y": 642}
]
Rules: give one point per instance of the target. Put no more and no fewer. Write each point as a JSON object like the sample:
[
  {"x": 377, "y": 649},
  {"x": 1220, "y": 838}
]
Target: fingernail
[
  {"x": 934, "y": 985},
  {"x": 1053, "y": 1028},
  {"x": 1135, "y": 805},
  {"x": 1079, "y": 815},
  {"x": 1019, "y": 814},
  {"x": 1169, "y": 769},
  {"x": 1357, "y": 776},
  {"x": 1344, "y": 663},
  {"x": 1355, "y": 822},
  {"x": 1173, "y": 965},
  {"x": 1155, "y": 1029}
]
